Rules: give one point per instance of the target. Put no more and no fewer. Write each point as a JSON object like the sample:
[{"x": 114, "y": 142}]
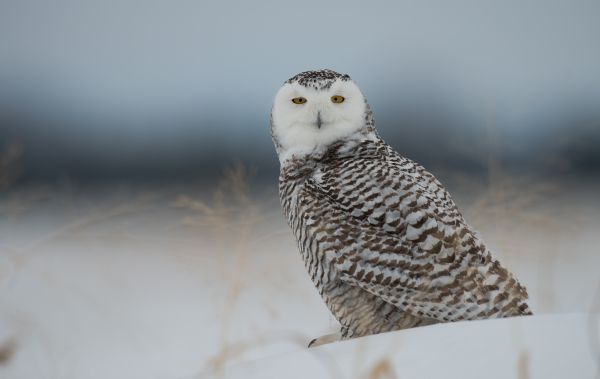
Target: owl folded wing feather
[{"x": 424, "y": 266}]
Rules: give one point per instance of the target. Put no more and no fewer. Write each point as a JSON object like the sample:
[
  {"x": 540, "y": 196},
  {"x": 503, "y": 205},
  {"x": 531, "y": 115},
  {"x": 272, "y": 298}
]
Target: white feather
[{"x": 295, "y": 125}]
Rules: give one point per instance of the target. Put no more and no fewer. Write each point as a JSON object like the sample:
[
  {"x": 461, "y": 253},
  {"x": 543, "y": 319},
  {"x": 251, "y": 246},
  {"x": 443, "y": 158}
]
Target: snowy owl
[{"x": 381, "y": 238}]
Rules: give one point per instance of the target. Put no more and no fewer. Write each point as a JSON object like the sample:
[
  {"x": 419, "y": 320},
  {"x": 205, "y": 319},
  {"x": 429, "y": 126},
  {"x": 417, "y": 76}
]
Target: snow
[
  {"x": 546, "y": 346},
  {"x": 129, "y": 282}
]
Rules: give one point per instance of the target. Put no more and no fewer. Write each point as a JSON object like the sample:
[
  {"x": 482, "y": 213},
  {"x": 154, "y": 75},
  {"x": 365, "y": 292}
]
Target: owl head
[{"x": 314, "y": 109}]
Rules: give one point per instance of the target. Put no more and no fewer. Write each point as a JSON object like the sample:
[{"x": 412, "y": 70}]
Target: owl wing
[{"x": 397, "y": 234}]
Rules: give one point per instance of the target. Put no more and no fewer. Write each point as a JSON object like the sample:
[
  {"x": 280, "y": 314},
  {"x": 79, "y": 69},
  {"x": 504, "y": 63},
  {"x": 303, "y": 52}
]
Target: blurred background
[
  {"x": 138, "y": 206},
  {"x": 145, "y": 90}
]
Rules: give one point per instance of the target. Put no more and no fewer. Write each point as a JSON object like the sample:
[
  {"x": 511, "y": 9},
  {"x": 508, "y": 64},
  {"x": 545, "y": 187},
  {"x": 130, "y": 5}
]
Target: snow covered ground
[
  {"x": 546, "y": 346},
  {"x": 191, "y": 282}
]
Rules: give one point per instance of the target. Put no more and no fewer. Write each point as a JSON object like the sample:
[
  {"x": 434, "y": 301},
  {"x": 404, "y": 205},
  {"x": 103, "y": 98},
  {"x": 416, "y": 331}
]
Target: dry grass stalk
[
  {"x": 523, "y": 363},
  {"x": 7, "y": 351},
  {"x": 234, "y": 350},
  {"x": 383, "y": 369},
  {"x": 233, "y": 216}
]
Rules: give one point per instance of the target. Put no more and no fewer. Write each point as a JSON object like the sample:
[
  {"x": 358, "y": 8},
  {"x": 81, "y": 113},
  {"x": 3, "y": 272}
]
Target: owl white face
[{"x": 307, "y": 120}]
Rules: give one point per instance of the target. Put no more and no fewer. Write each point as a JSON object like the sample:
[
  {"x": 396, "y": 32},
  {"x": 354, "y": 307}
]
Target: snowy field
[{"x": 194, "y": 281}]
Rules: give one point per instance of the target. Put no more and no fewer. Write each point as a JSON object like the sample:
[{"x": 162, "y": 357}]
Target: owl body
[{"x": 381, "y": 239}]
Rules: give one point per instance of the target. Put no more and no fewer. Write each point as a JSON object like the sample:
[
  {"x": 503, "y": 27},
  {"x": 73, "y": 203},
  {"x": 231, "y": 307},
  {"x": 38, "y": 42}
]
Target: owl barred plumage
[{"x": 381, "y": 238}]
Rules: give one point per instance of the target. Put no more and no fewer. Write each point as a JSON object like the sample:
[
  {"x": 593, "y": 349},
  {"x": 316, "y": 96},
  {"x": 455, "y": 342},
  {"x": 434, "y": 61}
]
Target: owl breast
[
  {"x": 359, "y": 312},
  {"x": 385, "y": 245}
]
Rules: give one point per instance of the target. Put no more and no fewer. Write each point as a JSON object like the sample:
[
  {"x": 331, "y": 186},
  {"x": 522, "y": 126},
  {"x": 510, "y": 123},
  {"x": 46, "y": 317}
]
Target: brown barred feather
[{"x": 386, "y": 246}]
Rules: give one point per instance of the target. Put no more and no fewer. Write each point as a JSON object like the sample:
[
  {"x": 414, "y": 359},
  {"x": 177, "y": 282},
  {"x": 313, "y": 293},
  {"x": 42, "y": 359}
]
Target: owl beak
[{"x": 319, "y": 122}]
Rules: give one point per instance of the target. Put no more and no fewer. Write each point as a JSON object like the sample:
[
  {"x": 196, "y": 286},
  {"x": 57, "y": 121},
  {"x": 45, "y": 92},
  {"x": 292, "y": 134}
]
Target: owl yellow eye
[
  {"x": 299, "y": 100},
  {"x": 337, "y": 99}
]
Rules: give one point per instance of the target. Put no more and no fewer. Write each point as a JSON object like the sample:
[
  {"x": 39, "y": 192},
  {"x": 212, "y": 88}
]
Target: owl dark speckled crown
[{"x": 318, "y": 79}]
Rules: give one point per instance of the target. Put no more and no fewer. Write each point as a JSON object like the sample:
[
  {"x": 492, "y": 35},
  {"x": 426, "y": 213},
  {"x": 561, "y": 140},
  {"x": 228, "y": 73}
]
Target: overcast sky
[{"x": 146, "y": 73}]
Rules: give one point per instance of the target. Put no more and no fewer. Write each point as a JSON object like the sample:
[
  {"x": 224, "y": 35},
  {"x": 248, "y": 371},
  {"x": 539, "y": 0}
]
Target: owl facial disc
[{"x": 314, "y": 109}]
